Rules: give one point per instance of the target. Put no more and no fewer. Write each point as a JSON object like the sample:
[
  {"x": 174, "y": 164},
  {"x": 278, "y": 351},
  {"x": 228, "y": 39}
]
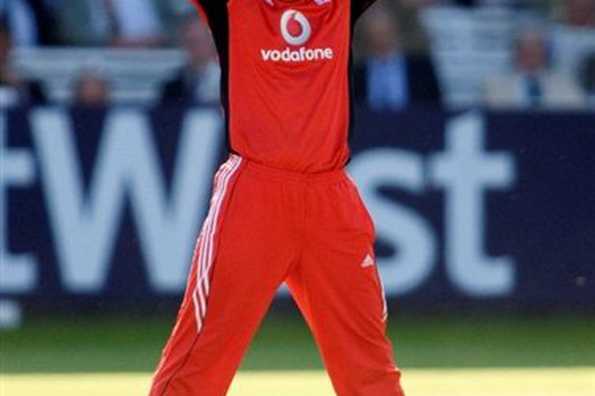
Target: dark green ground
[{"x": 129, "y": 344}]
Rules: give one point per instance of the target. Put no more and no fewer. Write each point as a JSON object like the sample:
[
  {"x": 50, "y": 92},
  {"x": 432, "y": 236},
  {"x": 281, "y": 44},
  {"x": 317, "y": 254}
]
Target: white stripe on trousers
[{"x": 206, "y": 239}]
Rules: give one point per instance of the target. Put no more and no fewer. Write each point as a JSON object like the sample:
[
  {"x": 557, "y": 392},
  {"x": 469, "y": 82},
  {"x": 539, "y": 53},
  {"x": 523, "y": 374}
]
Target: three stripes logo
[{"x": 205, "y": 248}]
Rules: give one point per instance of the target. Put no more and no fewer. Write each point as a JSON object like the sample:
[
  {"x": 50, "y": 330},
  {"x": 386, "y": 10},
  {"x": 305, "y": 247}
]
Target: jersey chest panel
[{"x": 288, "y": 82}]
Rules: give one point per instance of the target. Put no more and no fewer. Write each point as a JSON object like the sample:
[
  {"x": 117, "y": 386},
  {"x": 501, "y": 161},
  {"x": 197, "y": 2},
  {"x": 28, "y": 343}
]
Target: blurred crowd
[{"x": 552, "y": 51}]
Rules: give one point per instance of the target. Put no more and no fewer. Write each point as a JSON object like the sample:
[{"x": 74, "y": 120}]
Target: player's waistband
[{"x": 282, "y": 175}]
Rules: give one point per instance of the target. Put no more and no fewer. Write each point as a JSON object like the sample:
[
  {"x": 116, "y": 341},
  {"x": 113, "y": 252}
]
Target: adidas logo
[{"x": 368, "y": 261}]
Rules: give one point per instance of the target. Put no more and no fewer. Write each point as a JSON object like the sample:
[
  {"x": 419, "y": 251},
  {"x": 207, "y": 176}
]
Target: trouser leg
[
  {"x": 338, "y": 289},
  {"x": 241, "y": 258}
]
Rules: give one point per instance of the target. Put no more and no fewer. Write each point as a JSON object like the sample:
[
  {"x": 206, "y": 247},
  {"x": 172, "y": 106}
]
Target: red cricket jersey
[{"x": 286, "y": 85}]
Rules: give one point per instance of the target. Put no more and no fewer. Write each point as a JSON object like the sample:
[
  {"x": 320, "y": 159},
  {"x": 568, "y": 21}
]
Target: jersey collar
[{"x": 318, "y": 2}]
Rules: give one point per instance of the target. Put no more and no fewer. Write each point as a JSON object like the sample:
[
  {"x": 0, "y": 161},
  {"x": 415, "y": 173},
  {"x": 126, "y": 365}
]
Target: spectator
[
  {"x": 481, "y": 3},
  {"x": 198, "y": 80},
  {"x": 123, "y": 23},
  {"x": 588, "y": 79},
  {"x": 388, "y": 78},
  {"x": 580, "y": 13},
  {"x": 91, "y": 90},
  {"x": 135, "y": 23},
  {"x": 30, "y": 22},
  {"x": 412, "y": 34},
  {"x": 515, "y": 4},
  {"x": 13, "y": 89},
  {"x": 171, "y": 13},
  {"x": 574, "y": 37},
  {"x": 531, "y": 84}
]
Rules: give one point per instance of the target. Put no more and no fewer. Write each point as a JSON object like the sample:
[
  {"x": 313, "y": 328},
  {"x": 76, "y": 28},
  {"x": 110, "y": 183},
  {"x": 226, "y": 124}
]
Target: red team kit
[{"x": 283, "y": 208}]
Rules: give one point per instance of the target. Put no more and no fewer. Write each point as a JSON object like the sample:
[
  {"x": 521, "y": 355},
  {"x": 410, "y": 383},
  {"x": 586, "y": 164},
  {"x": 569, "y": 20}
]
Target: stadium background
[{"x": 481, "y": 185}]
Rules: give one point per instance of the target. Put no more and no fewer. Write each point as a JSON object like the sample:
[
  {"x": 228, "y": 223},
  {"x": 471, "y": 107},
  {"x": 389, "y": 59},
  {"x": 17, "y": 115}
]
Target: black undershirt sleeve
[{"x": 358, "y": 7}]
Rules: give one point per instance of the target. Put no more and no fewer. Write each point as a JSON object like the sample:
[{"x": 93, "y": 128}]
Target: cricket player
[{"x": 283, "y": 208}]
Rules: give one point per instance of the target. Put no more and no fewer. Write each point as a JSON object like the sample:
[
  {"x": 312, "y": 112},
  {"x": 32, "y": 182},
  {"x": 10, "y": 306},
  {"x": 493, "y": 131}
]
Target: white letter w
[{"x": 85, "y": 226}]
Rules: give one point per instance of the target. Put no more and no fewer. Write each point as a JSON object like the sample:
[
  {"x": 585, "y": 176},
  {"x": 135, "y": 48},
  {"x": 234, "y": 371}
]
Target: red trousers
[{"x": 265, "y": 227}]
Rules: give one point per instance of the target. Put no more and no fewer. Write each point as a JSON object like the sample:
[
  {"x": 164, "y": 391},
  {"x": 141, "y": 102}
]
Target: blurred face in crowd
[
  {"x": 580, "y": 12},
  {"x": 4, "y": 48},
  {"x": 198, "y": 44},
  {"x": 92, "y": 91},
  {"x": 382, "y": 34},
  {"x": 531, "y": 52}
]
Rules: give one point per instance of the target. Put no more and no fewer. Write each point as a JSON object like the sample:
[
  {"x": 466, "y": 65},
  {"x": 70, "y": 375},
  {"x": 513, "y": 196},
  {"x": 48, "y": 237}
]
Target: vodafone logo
[
  {"x": 296, "y": 31},
  {"x": 295, "y": 27}
]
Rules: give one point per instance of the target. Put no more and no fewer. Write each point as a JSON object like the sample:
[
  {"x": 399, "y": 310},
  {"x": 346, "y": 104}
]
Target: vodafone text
[{"x": 302, "y": 55}]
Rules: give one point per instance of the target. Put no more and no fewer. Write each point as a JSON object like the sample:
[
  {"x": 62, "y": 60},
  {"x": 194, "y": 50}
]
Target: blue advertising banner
[{"x": 470, "y": 207}]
